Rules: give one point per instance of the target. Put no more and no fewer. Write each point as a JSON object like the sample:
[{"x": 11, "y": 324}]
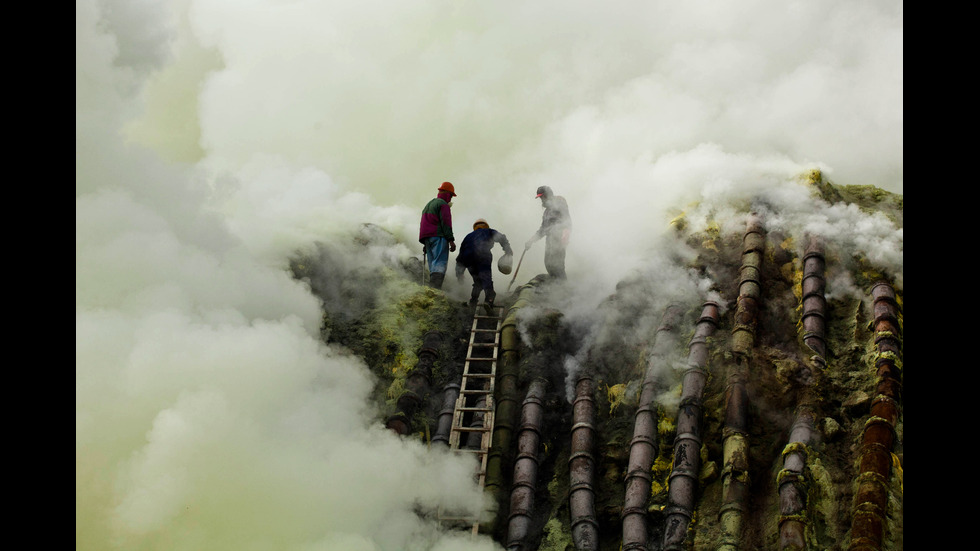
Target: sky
[{"x": 215, "y": 139}]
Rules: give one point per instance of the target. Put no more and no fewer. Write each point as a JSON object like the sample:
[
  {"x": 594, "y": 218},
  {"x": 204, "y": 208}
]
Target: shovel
[{"x": 517, "y": 269}]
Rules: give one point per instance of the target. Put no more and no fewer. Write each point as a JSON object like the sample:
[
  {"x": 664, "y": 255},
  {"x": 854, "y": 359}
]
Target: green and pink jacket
[{"x": 437, "y": 220}]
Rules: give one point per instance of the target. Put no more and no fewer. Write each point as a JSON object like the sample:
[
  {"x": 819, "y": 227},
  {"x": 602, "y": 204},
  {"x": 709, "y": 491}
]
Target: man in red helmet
[
  {"x": 556, "y": 226},
  {"x": 436, "y": 233}
]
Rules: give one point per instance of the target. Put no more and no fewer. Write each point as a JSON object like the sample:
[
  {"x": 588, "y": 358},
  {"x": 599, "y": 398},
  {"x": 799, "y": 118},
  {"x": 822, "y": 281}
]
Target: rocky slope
[{"x": 760, "y": 346}]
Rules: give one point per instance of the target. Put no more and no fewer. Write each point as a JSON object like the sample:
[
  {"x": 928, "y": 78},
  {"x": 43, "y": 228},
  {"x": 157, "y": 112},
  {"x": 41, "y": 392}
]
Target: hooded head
[{"x": 544, "y": 192}]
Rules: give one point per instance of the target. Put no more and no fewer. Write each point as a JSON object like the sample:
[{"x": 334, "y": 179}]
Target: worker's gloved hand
[
  {"x": 528, "y": 244},
  {"x": 423, "y": 249},
  {"x": 452, "y": 246}
]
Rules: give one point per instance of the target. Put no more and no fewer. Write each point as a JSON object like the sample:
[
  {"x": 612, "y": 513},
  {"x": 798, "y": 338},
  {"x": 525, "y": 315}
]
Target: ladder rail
[{"x": 479, "y": 382}]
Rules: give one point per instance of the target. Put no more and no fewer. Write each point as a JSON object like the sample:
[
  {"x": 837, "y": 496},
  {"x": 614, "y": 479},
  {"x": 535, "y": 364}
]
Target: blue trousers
[{"x": 437, "y": 254}]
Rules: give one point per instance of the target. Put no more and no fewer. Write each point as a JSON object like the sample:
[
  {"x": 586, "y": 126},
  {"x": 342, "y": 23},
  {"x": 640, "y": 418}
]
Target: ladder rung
[
  {"x": 478, "y": 375},
  {"x": 481, "y": 359},
  {"x": 475, "y": 409},
  {"x": 474, "y": 392},
  {"x": 471, "y": 450},
  {"x": 484, "y": 330},
  {"x": 471, "y": 429},
  {"x": 483, "y": 344}
]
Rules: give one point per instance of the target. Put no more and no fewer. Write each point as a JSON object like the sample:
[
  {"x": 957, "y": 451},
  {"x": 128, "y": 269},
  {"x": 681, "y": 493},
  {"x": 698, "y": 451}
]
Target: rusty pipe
[
  {"x": 581, "y": 466},
  {"x": 871, "y": 497},
  {"x": 735, "y": 447},
  {"x": 683, "y": 480},
  {"x": 417, "y": 385},
  {"x": 814, "y": 302},
  {"x": 792, "y": 482},
  {"x": 644, "y": 446},
  {"x": 445, "y": 423},
  {"x": 506, "y": 395},
  {"x": 474, "y": 439},
  {"x": 526, "y": 466}
]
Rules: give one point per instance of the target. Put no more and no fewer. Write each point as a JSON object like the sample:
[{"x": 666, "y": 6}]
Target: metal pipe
[
  {"x": 445, "y": 424},
  {"x": 735, "y": 473},
  {"x": 505, "y": 395},
  {"x": 683, "y": 480},
  {"x": 644, "y": 446},
  {"x": 418, "y": 383},
  {"x": 814, "y": 301},
  {"x": 792, "y": 481},
  {"x": 871, "y": 497},
  {"x": 474, "y": 439},
  {"x": 526, "y": 467},
  {"x": 581, "y": 466}
]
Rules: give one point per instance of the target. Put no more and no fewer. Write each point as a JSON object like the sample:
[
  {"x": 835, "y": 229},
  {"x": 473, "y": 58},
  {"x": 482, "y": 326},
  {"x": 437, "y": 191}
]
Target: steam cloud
[{"x": 213, "y": 140}]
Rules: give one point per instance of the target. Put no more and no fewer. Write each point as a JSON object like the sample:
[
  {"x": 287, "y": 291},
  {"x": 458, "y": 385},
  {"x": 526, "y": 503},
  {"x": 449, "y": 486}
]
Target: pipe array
[
  {"x": 735, "y": 473},
  {"x": 526, "y": 466},
  {"x": 581, "y": 466},
  {"x": 644, "y": 446},
  {"x": 683, "y": 482},
  {"x": 791, "y": 481},
  {"x": 417, "y": 384},
  {"x": 871, "y": 496}
]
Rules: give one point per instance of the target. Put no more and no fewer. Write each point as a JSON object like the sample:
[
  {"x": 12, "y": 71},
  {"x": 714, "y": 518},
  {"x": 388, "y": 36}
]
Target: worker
[
  {"x": 556, "y": 226},
  {"x": 436, "y": 233},
  {"x": 475, "y": 256}
]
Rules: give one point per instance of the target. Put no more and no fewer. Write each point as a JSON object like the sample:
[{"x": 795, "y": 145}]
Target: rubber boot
[{"x": 435, "y": 280}]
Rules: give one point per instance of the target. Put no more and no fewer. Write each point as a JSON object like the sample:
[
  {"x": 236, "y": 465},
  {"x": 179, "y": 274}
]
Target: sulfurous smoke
[{"x": 214, "y": 140}]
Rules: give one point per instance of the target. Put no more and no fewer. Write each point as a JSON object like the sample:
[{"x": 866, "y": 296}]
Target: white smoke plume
[{"x": 215, "y": 139}]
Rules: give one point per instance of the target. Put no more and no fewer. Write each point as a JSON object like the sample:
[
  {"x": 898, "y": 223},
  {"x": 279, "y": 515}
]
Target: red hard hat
[{"x": 446, "y": 186}]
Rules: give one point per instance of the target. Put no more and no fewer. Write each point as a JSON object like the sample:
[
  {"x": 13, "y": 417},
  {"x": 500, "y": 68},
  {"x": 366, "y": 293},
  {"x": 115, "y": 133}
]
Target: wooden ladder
[{"x": 474, "y": 410}]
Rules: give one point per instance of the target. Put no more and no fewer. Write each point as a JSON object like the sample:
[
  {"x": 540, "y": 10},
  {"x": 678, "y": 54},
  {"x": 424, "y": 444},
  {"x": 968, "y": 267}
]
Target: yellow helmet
[{"x": 480, "y": 221}]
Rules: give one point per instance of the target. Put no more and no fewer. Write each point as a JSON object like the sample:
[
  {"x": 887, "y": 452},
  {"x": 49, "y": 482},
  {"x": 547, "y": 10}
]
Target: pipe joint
[
  {"x": 523, "y": 484},
  {"x": 643, "y": 474},
  {"x": 582, "y": 425},
  {"x": 683, "y": 472},
  {"x": 588, "y": 519},
  {"x": 690, "y": 401},
  {"x": 527, "y": 455},
  {"x": 643, "y": 439},
  {"x": 797, "y": 447},
  {"x": 678, "y": 510},
  {"x": 579, "y": 486},
  {"x": 581, "y": 455},
  {"x": 787, "y": 476},
  {"x": 688, "y": 436},
  {"x": 731, "y": 507},
  {"x": 801, "y": 518},
  {"x": 627, "y": 511},
  {"x": 743, "y": 327},
  {"x": 530, "y": 427},
  {"x": 874, "y": 421}
]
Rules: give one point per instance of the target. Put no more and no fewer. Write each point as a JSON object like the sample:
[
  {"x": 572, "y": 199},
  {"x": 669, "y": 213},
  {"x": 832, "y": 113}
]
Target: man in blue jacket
[{"x": 475, "y": 256}]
